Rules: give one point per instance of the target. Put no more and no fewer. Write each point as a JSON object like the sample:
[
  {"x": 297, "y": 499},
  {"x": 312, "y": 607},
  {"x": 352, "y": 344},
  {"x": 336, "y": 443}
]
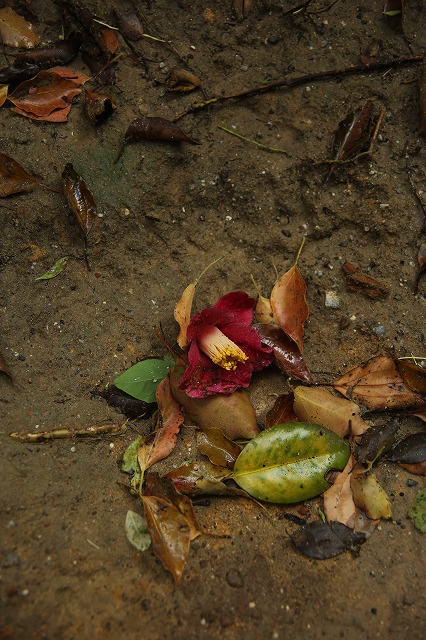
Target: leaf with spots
[
  {"x": 413, "y": 374},
  {"x": 378, "y": 385},
  {"x": 418, "y": 511},
  {"x": 15, "y": 31},
  {"x": 288, "y": 463}
]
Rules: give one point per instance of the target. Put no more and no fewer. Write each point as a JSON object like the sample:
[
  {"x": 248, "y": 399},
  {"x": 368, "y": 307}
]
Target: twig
[
  {"x": 297, "y": 9},
  {"x": 302, "y": 79},
  {"x": 57, "y": 434},
  {"x": 409, "y": 170},
  {"x": 258, "y": 144}
]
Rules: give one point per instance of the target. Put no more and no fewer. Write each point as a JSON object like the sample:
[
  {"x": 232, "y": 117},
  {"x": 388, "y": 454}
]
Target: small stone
[
  {"x": 21, "y": 358},
  {"x": 412, "y": 483},
  {"x": 332, "y": 300},
  {"x": 11, "y": 560},
  {"x": 379, "y": 330},
  {"x": 73, "y": 449},
  {"x": 234, "y": 579},
  {"x": 273, "y": 39}
]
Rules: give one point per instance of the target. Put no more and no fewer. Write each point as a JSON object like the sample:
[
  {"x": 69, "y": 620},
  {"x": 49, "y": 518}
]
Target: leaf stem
[
  {"x": 300, "y": 251},
  {"x": 258, "y": 144}
]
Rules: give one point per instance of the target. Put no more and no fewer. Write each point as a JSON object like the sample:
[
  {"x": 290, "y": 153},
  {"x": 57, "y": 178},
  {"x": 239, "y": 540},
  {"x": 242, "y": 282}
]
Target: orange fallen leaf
[
  {"x": 13, "y": 177},
  {"x": 3, "y": 93},
  {"x": 15, "y": 31}
]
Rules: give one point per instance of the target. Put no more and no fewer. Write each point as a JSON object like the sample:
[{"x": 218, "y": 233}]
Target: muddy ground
[{"x": 67, "y": 570}]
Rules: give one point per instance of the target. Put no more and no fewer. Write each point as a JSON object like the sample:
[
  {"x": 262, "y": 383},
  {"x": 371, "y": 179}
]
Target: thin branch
[{"x": 258, "y": 144}]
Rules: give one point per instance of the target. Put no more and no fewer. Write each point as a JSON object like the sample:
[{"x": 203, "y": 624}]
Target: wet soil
[{"x": 67, "y": 570}]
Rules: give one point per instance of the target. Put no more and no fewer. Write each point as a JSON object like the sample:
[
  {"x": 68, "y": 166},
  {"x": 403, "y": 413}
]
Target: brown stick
[
  {"x": 56, "y": 434},
  {"x": 303, "y": 79}
]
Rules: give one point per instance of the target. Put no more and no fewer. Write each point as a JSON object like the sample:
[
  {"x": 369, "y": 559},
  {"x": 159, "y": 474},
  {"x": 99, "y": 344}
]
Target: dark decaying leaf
[
  {"x": 170, "y": 534},
  {"x": 282, "y": 411},
  {"x": 410, "y": 450},
  {"x": 13, "y": 177},
  {"x": 321, "y": 540},
  {"x": 286, "y": 352},
  {"x": 97, "y": 107},
  {"x": 353, "y": 133},
  {"x": 376, "y": 441},
  {"x": 4, "y": 367},
  {"x": 129, "y": 24},
  {"x": 217, "y": 447},
  {"x": 131, "y": 407},
  {"x": 157, "y": 129},
  {"x": 422, "y": 101},
  {"x": 80, "y": 199},
  {"x": 393, "y": 13},
  {"x": 357, "y": 281},
  {"x": 233, "y": 413},
  {"x": 18, "y": 72},
  {"x": 15, "y": 31},
  {"x": 288, "y": 463},
  {"x": 182, "y": 80},
  {"x": 413, "y": 375},
  {"x": 418, "y": 469},
  {"x": 242, "y": 7},
  {"x": 165, "y": 488},
  {"x": 59, "y": 54},
  {"x": 288, "y": 302},
  {"x": 105, "y": 38},
  {"x": 203, "y": 478},
  {"x": 378, "y": 385}
]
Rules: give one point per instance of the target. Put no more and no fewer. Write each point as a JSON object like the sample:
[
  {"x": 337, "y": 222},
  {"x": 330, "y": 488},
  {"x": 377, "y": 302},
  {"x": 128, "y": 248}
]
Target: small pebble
[
  {"x": 21, "y": 358},
  {"x": 73, "y": 449},
  {"x": 234, "y": 579},
  {"x": 412, "y": 483},
  {"x": 332, "y": 300},
  {"x": 379, "y": 330},
  {"x": 273, "y": 39}
]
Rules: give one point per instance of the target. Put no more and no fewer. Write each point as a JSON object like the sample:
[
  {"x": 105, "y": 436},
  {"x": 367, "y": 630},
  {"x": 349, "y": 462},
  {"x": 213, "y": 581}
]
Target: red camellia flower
[{"x": 224, "y": 349}]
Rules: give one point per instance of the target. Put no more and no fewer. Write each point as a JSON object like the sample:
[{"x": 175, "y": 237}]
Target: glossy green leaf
[
  {"x": 418, "y": 511},
  {"x": 137, "y": 531},
  {"x": 141, "y": 380},
  {"x": 288, "y": 462},
  {"x": 54, "y": 271}
]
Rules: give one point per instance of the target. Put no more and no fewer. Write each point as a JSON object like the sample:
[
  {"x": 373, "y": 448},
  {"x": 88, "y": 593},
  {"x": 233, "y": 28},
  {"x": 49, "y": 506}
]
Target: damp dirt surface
[{"x": 165, "y": 212}]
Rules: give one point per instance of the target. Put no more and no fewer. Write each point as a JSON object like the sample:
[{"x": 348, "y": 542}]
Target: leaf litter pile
[{"x": 323, "y": 440}]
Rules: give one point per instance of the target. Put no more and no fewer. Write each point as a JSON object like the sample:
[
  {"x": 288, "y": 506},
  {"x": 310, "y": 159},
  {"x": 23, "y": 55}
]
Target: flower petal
[
  {"x": 248, "y": 340},
  {"x": 207, "y": 318},
  {"x": 238, "y": 305},
  {"x": 203, "y": 378}
]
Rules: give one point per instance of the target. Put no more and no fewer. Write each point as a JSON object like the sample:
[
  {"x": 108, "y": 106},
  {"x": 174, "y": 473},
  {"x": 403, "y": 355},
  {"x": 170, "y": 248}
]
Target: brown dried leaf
[
  {"x": 202, "y": 478},
  {"x": 286, "y": 352},
  {"x": 378, "y": 385},
  {"x": 180, "y": 79},
  {"x": 410, "y": 450},
  {"x": 353, "y": 133},
  {"x": 15, "y": 31},
  {"x": 61, "y": 53},
  {"x": 418, "y": 469},
  {"x": 369, "y": 496},
  {"x": 321, "y": 541},
  {"x": 13, "y": 177},
  {"x": 370, "y": 287},
  {"x": 4, "y": 368},
  {"x": 157, "y": 129},
  {"x": 263, "y": 313},
  {"x": 282, "y": 411},
  {"x": 4, "y": 88},
  {"x": 170, "y": 534},
  {"x": 320, "y": 406},
  {"x": 288, "y": 301},
  {"x": 242, "y": 7},
  {"x": 170, "y": 424},
  {"x": 217, "y": 447},
  {"x": 129, "y": 24},
  {"x": 413, "y": 375},
  {"x": 97, "y": 107},
  {"x": 166, "y": 489},
  {"x": 375, "y": 442},
  {"x": 80, "y": 199},
  {"x": 339, "y": 505}
]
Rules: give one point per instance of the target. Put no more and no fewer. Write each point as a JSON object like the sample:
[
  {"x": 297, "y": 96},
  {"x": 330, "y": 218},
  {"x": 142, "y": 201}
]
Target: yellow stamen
[{"x": 220, "y": 349}]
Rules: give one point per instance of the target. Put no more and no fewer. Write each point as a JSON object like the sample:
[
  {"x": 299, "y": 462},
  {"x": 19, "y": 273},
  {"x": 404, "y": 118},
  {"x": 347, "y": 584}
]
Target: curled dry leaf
[
  {"x": 170, "y": 534},
  {"x": 370, "y": 496},
  {"x": 321, "y": 406},
  {"x": 13, "y": 177},
  {"x": 217, "y": 447},
  {"x": 59, "y": 54},
  {"x": 339, "y": 505},
  {"x": 286, "y": 352},
  {"x": 413, "y": 375},
  {"x": 156, "y": 129},
  {"x": 263, "y": 313},
  {"x": 282, "y": 411},
  {"x": 97, "y": 107},
  {"x": 129, "y": 25},
  {"x": 182, "y": 80},
  {"x": 232, "y": 413},
  {"x": 378, "y": 385},
  {"x": 15, "y": 31},
  {"x": 203, "y": 478},
  {"x": 18, "y": 72},
  {"x": 369, "y": 287},
  {"x": 80, "y": 199},
  {"x": 171, "y": 420},
  {"x": 375, "y": 442},
  {"x": 353, "y": 133},
  {"x": 288, "y": 301},
  {"x": 321, "y": 541},
  {"x": 3, "y": 93}
]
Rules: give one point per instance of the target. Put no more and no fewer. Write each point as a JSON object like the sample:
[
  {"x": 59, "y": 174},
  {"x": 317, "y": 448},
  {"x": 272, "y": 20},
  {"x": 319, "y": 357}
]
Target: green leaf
[
  {"x": 288, "y": 462},
  {"x": 141, "y": 380},
  {"x": 418, "y": 511},
  {"x": 131, "y": 463},
  {"x": 54, "y": 271},
  {"x": 137, "y": 531},
  {"x": 395, "y": 12}
]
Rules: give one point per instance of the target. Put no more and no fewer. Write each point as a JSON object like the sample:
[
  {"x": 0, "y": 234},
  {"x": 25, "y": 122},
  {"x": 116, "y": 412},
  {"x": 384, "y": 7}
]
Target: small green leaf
[
  {"x": 130, "y": 461},
  {"x": 418, "y": 511},
  {"x": 395, "y": 12},
  {"x": 141, "y": 380},
  {"x": 137, "y": 531},
  {"x": 288, "y": 462},
  {"x": 54, "y": 271}
]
